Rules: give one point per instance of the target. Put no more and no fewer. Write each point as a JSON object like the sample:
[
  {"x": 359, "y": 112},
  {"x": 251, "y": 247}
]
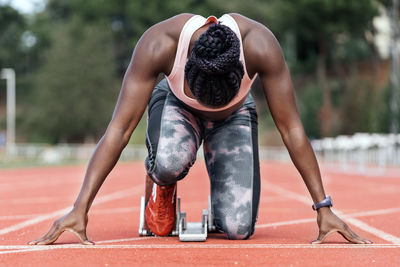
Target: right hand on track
[
  {"x": 73, "y": 221},
  {"x": 329, "y": 223}
]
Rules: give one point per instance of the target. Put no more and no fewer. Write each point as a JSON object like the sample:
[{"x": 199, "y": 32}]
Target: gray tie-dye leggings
[{"x": 173, "y": 137}]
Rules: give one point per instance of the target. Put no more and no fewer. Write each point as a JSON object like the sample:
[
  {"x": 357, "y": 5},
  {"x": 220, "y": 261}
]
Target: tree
[
  {"x": 76, "y": 87},
  {"x": 89, "y": 45},
  {"x": 12, "y": 27},
  {"x": 128, "y": 19},
  {"x": 320, "y": 23}
]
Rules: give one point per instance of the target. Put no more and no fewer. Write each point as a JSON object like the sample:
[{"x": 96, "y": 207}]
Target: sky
[{"x": 25, "y": 6}]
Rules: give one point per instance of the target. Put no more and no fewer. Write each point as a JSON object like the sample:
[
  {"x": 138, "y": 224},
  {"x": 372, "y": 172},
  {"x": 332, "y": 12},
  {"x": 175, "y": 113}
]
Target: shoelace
[{"x": 164, "y": 195}]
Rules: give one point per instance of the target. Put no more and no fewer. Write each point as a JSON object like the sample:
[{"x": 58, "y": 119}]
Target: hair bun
[
  {"x": 211, "y": 44},
  {"x": 217, "y": 49},
  {"x": 214, "y": 71}
]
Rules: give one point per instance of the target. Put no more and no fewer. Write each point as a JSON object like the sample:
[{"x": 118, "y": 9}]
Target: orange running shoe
[{"x": 160, "y": 210}]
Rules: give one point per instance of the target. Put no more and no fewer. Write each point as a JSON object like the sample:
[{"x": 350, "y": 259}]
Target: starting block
[{"x": 187, "y": 231}]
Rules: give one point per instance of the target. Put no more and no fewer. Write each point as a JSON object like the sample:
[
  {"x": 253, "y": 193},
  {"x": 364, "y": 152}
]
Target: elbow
[
  {"x": 117, "y": 137},
  {"x": 293, "y": 136},
  {"x": 126, "y": 136}
]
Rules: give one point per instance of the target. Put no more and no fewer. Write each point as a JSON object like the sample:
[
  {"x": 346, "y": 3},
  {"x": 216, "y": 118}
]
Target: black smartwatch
[{"x": 327, "y": 202}]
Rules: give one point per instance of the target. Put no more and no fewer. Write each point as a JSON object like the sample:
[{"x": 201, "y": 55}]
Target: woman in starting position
[{"x": 209, "y": 66}]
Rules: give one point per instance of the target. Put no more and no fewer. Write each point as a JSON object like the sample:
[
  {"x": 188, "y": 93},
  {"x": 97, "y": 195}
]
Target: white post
[{"x": 9, "y": 75}]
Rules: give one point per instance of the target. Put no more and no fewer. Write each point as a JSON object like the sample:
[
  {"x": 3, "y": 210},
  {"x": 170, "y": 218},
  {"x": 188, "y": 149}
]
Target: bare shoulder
[
  {"x": 158, "y": 44},
  {"x": 166, "y": 32},
  {"x": 261, "y": 48},
  {"x": 170, "y": 27}
]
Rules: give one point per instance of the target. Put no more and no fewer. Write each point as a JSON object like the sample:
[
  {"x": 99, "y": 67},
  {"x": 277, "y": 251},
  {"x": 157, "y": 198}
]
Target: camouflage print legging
[{"x": 173, "y": 137}]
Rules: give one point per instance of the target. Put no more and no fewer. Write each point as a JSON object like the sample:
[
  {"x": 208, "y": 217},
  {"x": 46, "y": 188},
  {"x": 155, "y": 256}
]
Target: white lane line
[
  {"x": 267, "y": 199},
  {"x": 265, "y": 225},
  {"x": 95, "y": 211},
  {"x": 366, "y": 227},
  {"x": 36, "y": 184},
  {"x": 17, "y": 217},
  {"x": 361, "y": 225},
  {"x": 135, "y": 208},
  {"x": 103, "y": 199},
  {"x": 124, "y": 209},
  {"x": 284, "y": 192},
  {"x": 24, "y": 248},
  {"x": 122, "y": 240},
  {"x": 346, "y": 216},
  {"x": 36, "y": 220},
  {"x": 30, "y": 200},
  {"x": 373, "y": 212},
  {"x": 116, "y": 210},
  {"x": 369, "y": 172}
]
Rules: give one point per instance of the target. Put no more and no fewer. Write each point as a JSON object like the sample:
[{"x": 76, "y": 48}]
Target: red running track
[{"x": 30, "y": 199}]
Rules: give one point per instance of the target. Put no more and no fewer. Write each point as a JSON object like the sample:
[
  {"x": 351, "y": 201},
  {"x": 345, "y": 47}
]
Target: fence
[
  {"x": 358, "y": 153},
  {"x": 58, "y": 153},
  {"x": 361, "y": 152}
]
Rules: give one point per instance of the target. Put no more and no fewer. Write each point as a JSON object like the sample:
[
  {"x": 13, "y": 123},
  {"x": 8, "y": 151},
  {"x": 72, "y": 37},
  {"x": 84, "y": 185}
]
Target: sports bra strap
[
  {"x": 176, "y": 78},
  {"x": 192, "y": 25}
]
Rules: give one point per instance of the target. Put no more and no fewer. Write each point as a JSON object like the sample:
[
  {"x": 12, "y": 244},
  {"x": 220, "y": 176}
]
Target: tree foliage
[
  {"x": 76, "y": 87},
  {"x": 325, "y": 30},
  {"x": 69, "y": 74},
  {"x": 12, "y": 25}
]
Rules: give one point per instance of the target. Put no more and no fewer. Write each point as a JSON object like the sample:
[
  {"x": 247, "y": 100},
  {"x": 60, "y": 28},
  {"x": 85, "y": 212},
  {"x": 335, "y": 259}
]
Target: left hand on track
[{"x": 329, "y": 223}]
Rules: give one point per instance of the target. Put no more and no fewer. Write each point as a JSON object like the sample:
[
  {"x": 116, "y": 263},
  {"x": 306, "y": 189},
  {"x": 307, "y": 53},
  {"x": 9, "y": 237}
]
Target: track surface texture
[{"x": 32, "y": 198}]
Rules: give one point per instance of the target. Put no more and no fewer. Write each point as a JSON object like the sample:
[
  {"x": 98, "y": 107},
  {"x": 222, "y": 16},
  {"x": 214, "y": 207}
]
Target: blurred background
[{"x": 69, "y": 56}]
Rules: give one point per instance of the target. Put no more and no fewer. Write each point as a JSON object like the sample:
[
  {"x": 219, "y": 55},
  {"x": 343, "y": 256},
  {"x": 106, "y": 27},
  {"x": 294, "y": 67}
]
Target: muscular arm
[
  {"x": 278, "y": 89},
  {"x": 154, "y": 54},
  {"x": 264, "y": 56},
  {"x": 151, "y": 57},
  {"x": 139, "y": 80}
]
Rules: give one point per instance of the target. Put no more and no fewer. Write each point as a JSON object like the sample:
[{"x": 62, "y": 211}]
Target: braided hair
[{"x": 214, "y": 71}]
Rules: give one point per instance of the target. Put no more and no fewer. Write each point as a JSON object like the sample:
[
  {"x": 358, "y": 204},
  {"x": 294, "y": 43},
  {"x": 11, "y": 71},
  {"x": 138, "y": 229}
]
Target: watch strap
[{"x": 327, "y": 202}]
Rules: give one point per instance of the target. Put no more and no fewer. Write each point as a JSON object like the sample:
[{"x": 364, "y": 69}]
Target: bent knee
[
  {"x": 241, "y": 235},
  {"x": 236, "y": 231},
  {"x": 167, "y": 172}
]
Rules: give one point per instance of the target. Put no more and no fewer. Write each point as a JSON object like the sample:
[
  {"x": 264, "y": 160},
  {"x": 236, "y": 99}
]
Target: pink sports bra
[{"x": 176, "y": 78}]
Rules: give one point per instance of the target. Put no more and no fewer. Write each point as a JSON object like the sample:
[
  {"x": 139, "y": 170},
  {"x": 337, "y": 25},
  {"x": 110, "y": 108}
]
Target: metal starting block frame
[{"x": 187, "y": 231}]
